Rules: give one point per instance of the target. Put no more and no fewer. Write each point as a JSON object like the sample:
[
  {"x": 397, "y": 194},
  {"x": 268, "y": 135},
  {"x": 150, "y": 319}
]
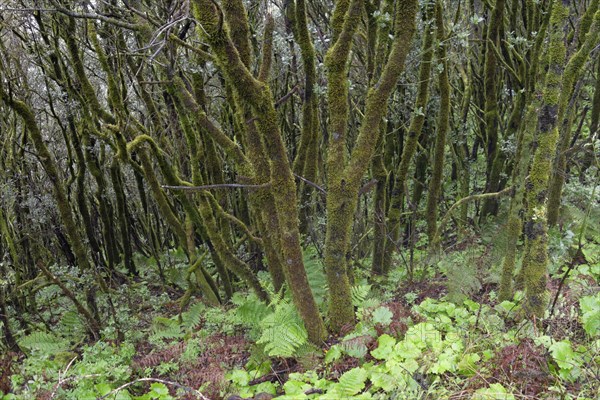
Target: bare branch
[
  {"x": 103, "y": 18},
  {"x": 319, "y": 188}
]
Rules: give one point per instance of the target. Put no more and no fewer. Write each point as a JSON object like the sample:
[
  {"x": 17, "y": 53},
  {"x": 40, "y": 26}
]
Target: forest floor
[
  {"x": 419, "y": 340},
  {"x": 438, "y": 332}
]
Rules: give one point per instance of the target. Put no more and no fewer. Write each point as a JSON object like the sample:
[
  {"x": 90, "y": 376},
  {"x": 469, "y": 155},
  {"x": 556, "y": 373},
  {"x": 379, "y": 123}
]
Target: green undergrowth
[
  {"x": 447, "y": 349},
  {"x": 444, "y": 335}
]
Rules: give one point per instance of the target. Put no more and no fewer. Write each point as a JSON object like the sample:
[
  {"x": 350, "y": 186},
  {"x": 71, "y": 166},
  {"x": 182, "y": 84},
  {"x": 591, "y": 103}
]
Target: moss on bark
[
  {"x": 257, "y": 95},
  {"x": 572, "y": 74},
  {"x": 412, "y": 138},
  {"x": 344, "y": 180},
  {"x": 559, "y": 80},
  {"x": 491, "y": 116},
  {"x": 435, "y": 183}
]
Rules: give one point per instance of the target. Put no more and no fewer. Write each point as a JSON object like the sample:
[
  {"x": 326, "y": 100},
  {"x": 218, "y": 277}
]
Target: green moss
[
  {"x": 239, "y": 30},
  {"x": 51, "y": 169},
  {"x": 573, "y": 71},
  {"x": 305, "y": 165},
  {"x": 412, "y": 138},
  {"x": 257, "y": 96},
  {"x": 536, "y": 250},
  {"x": 265, "y": 65},
  {"x": 515, "y": 224},
  {"x": 491, "y": 115},
  {"x": 339, "y": 15},
  {"x": 442, "y": 130},
  {"x": 87, "y": 90}
]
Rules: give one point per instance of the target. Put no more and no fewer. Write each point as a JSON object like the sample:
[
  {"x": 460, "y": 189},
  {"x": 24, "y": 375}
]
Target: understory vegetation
[
  {"x": 443, "y": 334},
  {"x": 300, "y": 199}
]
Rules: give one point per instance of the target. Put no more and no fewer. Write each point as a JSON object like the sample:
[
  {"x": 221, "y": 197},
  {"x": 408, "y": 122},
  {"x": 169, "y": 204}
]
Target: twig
[
  {"x": 178, "y": 385},
  {"x": 61, "y": 379},
  {"x": 367, "y": 187},
  {"x": 319, "y": 188},
  {"x": 467, "y": 199},
  {"x": 313, "y": 391},
  {"x": 100, "y": 17},
  {"x": 268, "y": 377},
  {"x": 278, "y": 102}
]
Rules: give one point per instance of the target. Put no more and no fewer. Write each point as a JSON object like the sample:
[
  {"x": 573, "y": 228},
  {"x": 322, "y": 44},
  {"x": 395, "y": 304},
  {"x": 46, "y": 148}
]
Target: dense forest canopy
[{"x": 294, "y": 152}]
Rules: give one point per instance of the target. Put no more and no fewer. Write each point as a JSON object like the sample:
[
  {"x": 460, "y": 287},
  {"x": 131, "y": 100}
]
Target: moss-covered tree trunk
[
  {"x": 343, "y": 177},
  {"x": 257, "y": 95},
  {"x": 555, "y": 98},
  {"x": 305, "y": 163},
  {"x": 412, "y": 138},
  {"x": 491, "y": 117},
  {"x": 435, "y": 183},
  {"x": 50, "y": 166},
  {"x": 379, "y": 40},
  {"x": 559, "y": 167}
]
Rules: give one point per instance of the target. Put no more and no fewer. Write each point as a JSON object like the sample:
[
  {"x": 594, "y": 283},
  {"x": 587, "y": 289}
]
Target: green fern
[
  {"x": 250, "y": 310},
  {"x": 316, "y": 276},
  {"x": 44, "y": 342},
  {"x": 355, "y": 347},
  {"x": 165, "y": 328},
  {"x": 283, "y": 331},
  {"x": 370, "y": 303},
  {"x": 351, "y": 383},
  {"x": 71, "y": 325},
  {"x": 359, "y": 294},
  {"x": 193, "y": 317}
]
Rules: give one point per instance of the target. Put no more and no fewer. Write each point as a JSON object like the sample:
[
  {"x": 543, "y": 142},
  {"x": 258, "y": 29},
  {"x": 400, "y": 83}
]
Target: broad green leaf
[
  {"x": 408, "y": 350},
  {"x": 590, "y": 309},
  {"x": 385, "y": 348},
  {"x": 495, "y": 392},
  {"x": 334, "y": 353},
  {"x": 159, "y": 389},
  {"x": 103, "y": 388},
  {"x": 266, "y": 387},
  {"x": 383, "y": 381},
  {"x": 295, "y": 387},
  {"x": 466, "y": 366},
  {"x": 239, "y": 377},
  {"x": 589, "y": 303},
  {"x": 563, "y": 354},
  {"x": 383, "y": 316}
]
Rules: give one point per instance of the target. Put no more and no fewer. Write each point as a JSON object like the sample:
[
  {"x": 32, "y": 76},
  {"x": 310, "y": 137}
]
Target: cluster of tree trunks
[{"x": 243, "y": 131}]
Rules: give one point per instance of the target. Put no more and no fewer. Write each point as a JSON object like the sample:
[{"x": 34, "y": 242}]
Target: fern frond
[
  {"x": 193, "y": 317},
  {"x": 316, "y": 276},
  {"x": 359, "y": 294},
  {"x": 351, "y": 382},
  {"x": 71, "y": 324},
  {"x": 283, "y": 331},
  {"x": 165, "y": 328},
  {"x": 44, "y": 342},
  {"x": 252, "y": 310}
]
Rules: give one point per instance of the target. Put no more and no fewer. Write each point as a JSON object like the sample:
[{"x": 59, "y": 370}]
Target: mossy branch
[
  {"x": 379, "y": 94},
  {"x": 267, "y": 50},
  {"x": 482, "y": 196}
]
